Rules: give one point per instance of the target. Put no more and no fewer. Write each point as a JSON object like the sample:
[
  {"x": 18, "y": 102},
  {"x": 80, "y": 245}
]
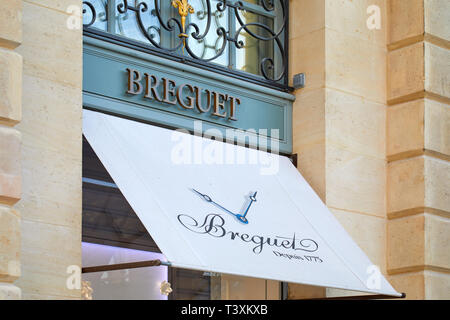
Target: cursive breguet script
[{"x": 214, "y": 225}]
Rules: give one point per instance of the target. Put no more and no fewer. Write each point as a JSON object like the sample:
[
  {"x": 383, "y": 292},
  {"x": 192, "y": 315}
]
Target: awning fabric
[{"x": 203, "y": 215}]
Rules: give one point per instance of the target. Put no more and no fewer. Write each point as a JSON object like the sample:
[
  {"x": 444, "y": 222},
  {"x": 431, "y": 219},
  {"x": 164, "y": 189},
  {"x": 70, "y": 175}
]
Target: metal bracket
[
  {"x": 294, "y": 159},
  {"x": 364, "y": 297},
  {"x": 121, "y": 266},
  {"x": 299, "y": 81}
]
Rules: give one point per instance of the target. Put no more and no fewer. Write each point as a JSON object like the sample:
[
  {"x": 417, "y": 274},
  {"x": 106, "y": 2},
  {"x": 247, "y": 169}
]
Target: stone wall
[
  {"x": 340, "y": 118},
  {"x": 372, "y": 131},
  {"x": 51, "y": 130},
  {"x": 10, "y": 146},
  {"x": 418, "y": 148}
]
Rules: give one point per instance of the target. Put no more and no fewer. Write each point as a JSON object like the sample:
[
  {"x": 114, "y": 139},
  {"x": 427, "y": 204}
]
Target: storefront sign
[
  {"x": 186, "y": 95},
  {"x": 148, "y": 88}
]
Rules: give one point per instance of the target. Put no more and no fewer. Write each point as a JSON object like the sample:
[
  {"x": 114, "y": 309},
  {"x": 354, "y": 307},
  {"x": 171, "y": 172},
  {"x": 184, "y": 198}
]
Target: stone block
[
  {"x": 406, "y": 243},
  {"x": 62, "y": 61},
  {"x": 437, "y": 184},
  {"x": 417, "y": 242},
  {"x": 368, "y": 232},
  {"x": 355, "y": 66},
  {"x": 47, "y": 251},
  {"x": 437, "y": 127},
  {"x": 308, "y": 121},
  {"x": 437, "y": 285},
  {"x": 406, "y": 19},
  {"x": 11, "y": 87},
  {"x": 437, "y": 241},
  {"x": 355, "y": 182},
  {"x": 406, "y": 71},
  {"x": 11, "y": 24},
  {"x": 355, "y": 124},
  {"x": 437, "y": 70},
  {"x": 437, "y": 16},
  {"x": 406, "y": 184},
  {"x": 405, "y": 128},
  {"x": 53, "y": 117},
  {"x": 305, "y": 16},
  {"x": 10, "y": 165},
  {"x": 412, "y": 284},
  {"x": 9, "y": 291},
  {"x": 9, "y": 244},
  {"x": 350, "y": 17},
  {"x": 417, "y": 183}
]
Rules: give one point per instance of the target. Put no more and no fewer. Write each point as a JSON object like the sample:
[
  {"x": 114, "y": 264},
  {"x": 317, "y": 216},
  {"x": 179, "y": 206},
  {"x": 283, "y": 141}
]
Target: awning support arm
[
  {"x": 122, "y": 266},
  {"x": 363, "y": 297}
]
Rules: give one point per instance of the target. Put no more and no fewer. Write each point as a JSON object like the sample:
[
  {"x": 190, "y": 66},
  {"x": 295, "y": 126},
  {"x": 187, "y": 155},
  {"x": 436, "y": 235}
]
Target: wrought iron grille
[{"x": 242, "y": 39}]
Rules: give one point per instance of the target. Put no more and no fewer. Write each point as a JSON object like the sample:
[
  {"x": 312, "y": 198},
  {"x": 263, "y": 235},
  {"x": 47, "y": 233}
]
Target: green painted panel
[{"x": 105, "y": 82}]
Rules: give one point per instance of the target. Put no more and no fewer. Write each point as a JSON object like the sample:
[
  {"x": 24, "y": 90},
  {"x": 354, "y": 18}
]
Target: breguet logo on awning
[
  {"x": 213, "y": 224},
  {"x": 188, "y": 96}
]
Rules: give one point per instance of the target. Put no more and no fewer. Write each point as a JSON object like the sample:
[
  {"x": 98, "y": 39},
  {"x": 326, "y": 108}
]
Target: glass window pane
[
  {"x": 100, "y": 14},
  {"x": 255, "y": 49},
  {"x": 212, "y": 43},
  {"x": 127, "y": 24},
  {"x": 259, "y": 27},
  {"x": 127, "y": 284},
  {"x": 190, "y": 284}
]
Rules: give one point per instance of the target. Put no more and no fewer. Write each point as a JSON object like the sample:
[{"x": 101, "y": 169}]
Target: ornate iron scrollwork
[
  {"x": 192, "y": 38},
  {"x": 92, "y": 11}
]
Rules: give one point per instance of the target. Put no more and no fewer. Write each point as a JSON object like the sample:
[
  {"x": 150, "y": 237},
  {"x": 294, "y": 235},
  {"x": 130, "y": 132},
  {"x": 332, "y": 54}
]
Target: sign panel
[
  {"x": 144, "y": 87},
  {"x": 244, "y": 212}
]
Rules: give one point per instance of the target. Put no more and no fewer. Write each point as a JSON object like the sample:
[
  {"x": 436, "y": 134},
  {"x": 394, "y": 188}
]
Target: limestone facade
[
  {"x": 10, "y": 147},
  {"x": 418, "y": 153},
  {"x": 371, "y": 130},
  {"x": 40, "y": 145}
]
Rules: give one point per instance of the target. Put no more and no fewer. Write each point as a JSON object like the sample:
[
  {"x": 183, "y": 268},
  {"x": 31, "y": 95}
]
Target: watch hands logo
[
  {"x": 214, "y": 225},
  {"x": 241, "y": 217}
]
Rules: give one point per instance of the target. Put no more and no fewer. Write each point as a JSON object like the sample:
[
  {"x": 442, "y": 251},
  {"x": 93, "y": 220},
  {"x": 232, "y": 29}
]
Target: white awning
[{"x": 250, "y": 218}]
